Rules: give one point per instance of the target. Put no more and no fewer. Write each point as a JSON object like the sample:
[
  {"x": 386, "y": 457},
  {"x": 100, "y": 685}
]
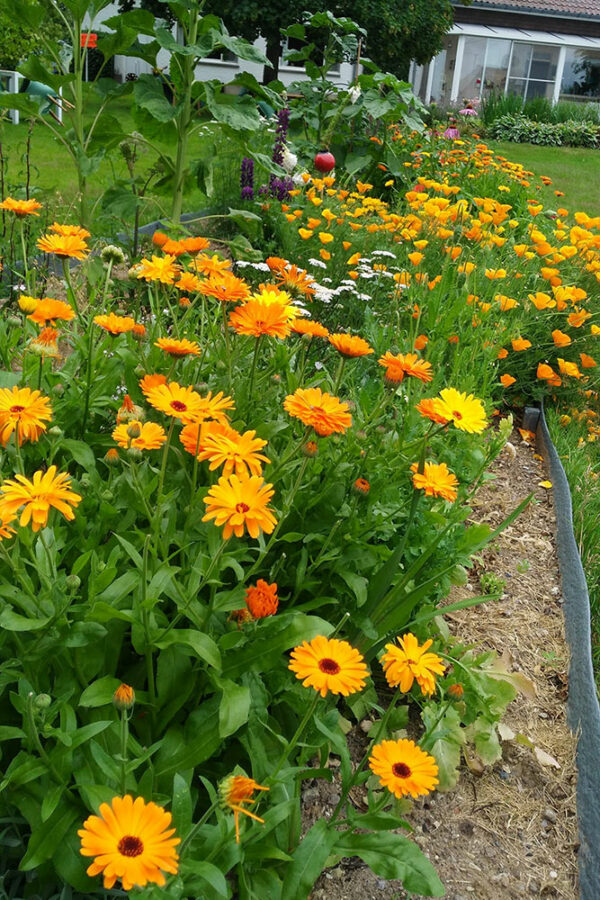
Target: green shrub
[
  {"x": 539, "y": 109},
  {"x": 496, "y": 105},
  {"x": 15, "y": 42},
  {"x": 522, "y": 130}
]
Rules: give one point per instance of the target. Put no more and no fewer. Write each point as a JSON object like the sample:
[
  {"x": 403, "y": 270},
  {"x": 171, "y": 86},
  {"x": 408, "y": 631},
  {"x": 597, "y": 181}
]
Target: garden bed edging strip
[{"x": 583, "y": 710}]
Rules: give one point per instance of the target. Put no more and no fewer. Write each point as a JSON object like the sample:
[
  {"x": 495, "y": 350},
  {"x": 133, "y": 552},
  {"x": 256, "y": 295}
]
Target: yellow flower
[
  {"x": 406, "y": 662},
  {"x": 23, "y": 412},
  {"x": 436, "y": 480},
  {"x": 150, "y": 436},
  {"x": 159, "y": 268},
  {"x": 46, "y": 490},
  {"x": 235, "y": 452},
  {"x": 465, "y": 411},
  {"x": 72, "y": 246}
]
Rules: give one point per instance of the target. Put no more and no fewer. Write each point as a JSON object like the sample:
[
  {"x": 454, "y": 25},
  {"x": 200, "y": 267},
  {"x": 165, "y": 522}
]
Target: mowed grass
[
  {"x": 574, "y": 170},
  {"x": 53, "y": 176}
]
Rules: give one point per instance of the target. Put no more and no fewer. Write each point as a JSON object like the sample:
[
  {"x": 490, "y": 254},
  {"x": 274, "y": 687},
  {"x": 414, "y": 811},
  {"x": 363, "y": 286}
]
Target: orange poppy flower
[
  {"x": 587, "y": 362},
  {"x": 506, "y": 380},
  {"x": 560, "y": 338},
  {"x": 519, "y": 344}
]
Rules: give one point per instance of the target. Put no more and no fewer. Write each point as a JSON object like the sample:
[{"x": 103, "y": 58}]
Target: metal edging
[{"x": 583, "y": 710}]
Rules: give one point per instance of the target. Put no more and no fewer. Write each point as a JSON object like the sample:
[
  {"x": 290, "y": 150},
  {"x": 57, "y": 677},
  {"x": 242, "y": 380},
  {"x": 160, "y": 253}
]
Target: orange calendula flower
[
  {"x": 209, "y": 265},
  {"x": 70, "y": 230},
  {"x": 256, "y": 318},
  {"x": 329, "y": 665},
  {"x": 236, "y": 452},
  {"x": 21, "y": 207},
  {"x": 115, "y": 324},
  {"x": 67, "y": 245},
  {"x": 6, "y": 530},
  {"x": 361, "y": 487},
  {"x": 295, "y": 279},
  {"x": 466, "y": 412},
  {"x": 46, "y": 343},
  {"x": 189, "y": 283},
  {"x": 149, "y": 382},
  {"x": 236, "y": 790},
  {"x": 400, "y": 364},
  {"x": 23, "y": 412},
  {"x": 519, "y": 344},
  {"x": 405, "y": 662},
  {"x": 560, "y": 338},
  {"x": 350, "y": 345},
  {"x": 421, "y": 342},
  {"x": 239, "y": 504},
  {"x": 507, "y": 380},
  {"x": 159, "y": 268},
  {"x": 194, "y": 436},
  {"x": 261, "y": 599},
  {"x": 150, "y": 437},
  {"x": 37, "y": 497},
  {"x": 131, "y": 840},
  {"x": 307, "y": 326},
  {"x": 226, "y": 287},
  {"x": 429, "y": 409},
  {"x": 319, "y": 410},
  {"x": 436, "y": 480},
  {"x": 49, "y": 310},
  {"x": 186, "y": 404},
  {"x": 403, "y": 768},
  {"x": 181, "y": 347}
]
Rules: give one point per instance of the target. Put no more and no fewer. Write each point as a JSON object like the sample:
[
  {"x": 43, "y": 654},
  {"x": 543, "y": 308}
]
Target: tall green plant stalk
[{"x": 182, "y": 122}]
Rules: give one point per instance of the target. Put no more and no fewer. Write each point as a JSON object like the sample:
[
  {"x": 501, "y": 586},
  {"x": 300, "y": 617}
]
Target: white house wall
[{"x": 211, "y": 69}]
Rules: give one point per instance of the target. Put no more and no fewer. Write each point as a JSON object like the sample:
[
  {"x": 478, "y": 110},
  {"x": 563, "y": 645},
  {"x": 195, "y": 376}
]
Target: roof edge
[{"x": 526, "y": 10}]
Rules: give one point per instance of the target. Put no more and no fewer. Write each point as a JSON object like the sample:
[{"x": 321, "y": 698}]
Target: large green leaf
[
  {"x": 240, "y": 113},
  {"x": 308, "y": 861},
  {"x": 234, "y": 708},
  {"x": 444, "y": 739},
  {"x": 182, "y": 750},
  {"x": 393, "y": 856},
  {"x": 47, "y": 837},
  {"x": 202, "y": 645},
  {"x": 148, "y": 93},
  {"x": 279, "y": 635}
]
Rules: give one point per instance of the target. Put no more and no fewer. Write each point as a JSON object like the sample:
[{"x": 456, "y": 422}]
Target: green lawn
[
  {"x": 574, "y": 170},
  {"x": 53, "y": 177}
]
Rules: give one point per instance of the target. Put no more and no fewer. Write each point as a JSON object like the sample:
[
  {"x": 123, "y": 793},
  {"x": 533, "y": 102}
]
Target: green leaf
[
  {"x": 12, "y": 621},
  {"x": 51, "y": 801},
  {"x": 278, "y": 635},
  {"x": 203, "y": 646},
  {"x": 358, "y": 584},
  {"x": 444, "y": 739},
  {"x": 100, "y": 692},
  {"x": 210, "y": 874},
  {"x": 234, "y": 708},
  {"x": 9, "y": 733},
  {"x": 182, "y": 806},
  {"x": 48, "y": 836},
  {"x": 81, "y": 452},
  {"x": 308, "y": 861},
  {"x": 148, "y": 93},
  {"x": 393, "y": 856},
  {"x": 240, "y": 112},
  {"x": 186, "y": 750},
  {"x": 34, "y": 69}
]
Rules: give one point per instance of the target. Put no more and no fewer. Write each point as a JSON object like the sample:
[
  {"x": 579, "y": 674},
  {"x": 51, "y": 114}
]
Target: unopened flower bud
[
  {"x": 111, "y": 457},
  {"x": 112, "y": 254},
  {"x": 134, "y": 430},
  {"x": 42, "y": 701},
  {"x": 15, "y": 320},
  {"x": 276, "y": 379},
  {"x": 456, "y": 691},
  {"x": 58, "y": 389},
  {"x": 73, "y": 582},
  {"x": 310, "y": 449},
  {"x": 361, "y": 487},
  {"x": 124, "y": 697},
  {"x": 55, "y": 431},
  {"x": 134, "y": 452},
  {"x": 85, "y": 480}
]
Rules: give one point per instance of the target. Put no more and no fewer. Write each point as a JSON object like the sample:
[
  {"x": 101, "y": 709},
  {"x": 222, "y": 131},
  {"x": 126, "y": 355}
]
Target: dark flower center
[
  {"x": 241, "y": 507},
  {"x": 457, "y": 415},
  {"x": 401, "y": 770},
  {"x": 129, "y": 845},
  {"x": 17, "y": 409},
  {"x": 178, "y": 406},
  {"x": 329, "y": 666}
]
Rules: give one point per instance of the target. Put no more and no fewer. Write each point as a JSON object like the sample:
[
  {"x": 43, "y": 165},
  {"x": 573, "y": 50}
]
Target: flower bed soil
[{"x": 507, "y": 831}]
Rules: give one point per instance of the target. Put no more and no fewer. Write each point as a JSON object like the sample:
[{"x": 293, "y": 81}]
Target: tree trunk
[{"x": 273, "y": 55}]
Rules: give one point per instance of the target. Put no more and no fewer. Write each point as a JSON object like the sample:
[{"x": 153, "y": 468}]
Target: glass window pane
[
  {"x": 581, "y": 76},
  {"x": 521, "y": 57},
  {"x": 496, "y": 65},
  {"x": 471, "y": 73},
  {"x": 543, "y": 63},
  {"x": 517, "y": 86},
  {"x": 443, "y": 73},
  {"x": 540, "y": 89}
]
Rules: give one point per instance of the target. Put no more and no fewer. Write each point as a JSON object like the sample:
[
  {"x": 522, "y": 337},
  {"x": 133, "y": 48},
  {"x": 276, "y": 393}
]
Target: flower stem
[
  {"x": 124, "y": 741},
  {"x": 196, "y": 828},
  {"x": 253, "y": 369},
  {"x": 70, "y": 292},
  {"x": 296, "y": 736}
]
